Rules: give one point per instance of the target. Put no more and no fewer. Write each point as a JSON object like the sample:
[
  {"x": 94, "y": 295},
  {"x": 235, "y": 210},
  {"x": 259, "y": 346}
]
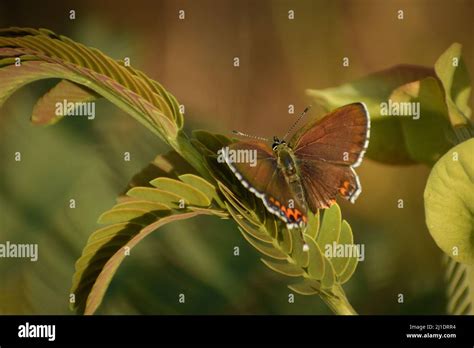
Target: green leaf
[
  {"x": 346, "y": 237},
  {"x": 371, "y": 89},
  {"x": 330, "y": 227},
  {"x": 170, "y": 165},
  {"x": 247, "y": 227},
  {"x": 264, "y": 248},
  {"x": 191, "y": 195},
  {"x": 45, "y": 55},
  {"x": 89, "y": 265},
  {"x": 202, "y": 185},
  {"x": 271, "y": 226},
  {"x": 349, "y": 270},
  {"x": 143, "y": 205},
  {"x": 306, "y": 287},
  {"x": 329, "y": 276},
  {"x": 249, "y": 215},
  {"x": 449, "y": 202},
  {"x": 126, "y": 214},
  {"x": 97, "y": 265},
  {"x": 143, "y": 212},
  {"x": 12, "y": 78},
  {"x": 452, "y": 71},
  {"x": 316, "y": 259},
  {"x": 298, "y": 254},
  {"x": 460, "y": 289},
  {"x": 284, "y": 268},
  {"x": 155, "y": 195},
  {"x": 312, "y": 228},
  {"x": 428, "y": 137},
  {"x": 44, "y": 111},
  {"x": 285, "y": 239}
]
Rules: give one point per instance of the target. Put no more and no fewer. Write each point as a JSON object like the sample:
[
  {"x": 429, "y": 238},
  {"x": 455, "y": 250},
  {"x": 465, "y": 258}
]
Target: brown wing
[
  {"x": 323, "y": 181},
  {"x": 256, "y": 174},
  {"x": 341, "y": 137}
]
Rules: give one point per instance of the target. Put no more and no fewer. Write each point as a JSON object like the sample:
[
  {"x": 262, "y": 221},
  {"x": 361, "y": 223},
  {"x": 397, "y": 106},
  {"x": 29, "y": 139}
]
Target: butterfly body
[
  {"x": 287, "y": 163},
  {"x": 312, "y": 169}
]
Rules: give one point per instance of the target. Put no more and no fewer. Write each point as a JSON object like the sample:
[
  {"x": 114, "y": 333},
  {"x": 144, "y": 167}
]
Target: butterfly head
[{"x": 278, "y": 144}]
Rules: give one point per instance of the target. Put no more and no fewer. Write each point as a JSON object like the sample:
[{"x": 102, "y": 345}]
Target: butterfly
[{"x": 309, "y": 171}]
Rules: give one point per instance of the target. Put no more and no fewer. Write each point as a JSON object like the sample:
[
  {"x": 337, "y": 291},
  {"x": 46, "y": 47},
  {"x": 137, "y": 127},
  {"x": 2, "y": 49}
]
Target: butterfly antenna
[
  {"x": 297, "y": 121},
  {"x": 249, "y": 136}
]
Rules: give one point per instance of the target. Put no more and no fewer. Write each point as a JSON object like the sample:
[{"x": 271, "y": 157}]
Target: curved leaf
[
  {"x": 246, "y": 227},
  {"x": 316, "y": 259},
  {"x": 452, "y": 71},
  {"x": 142, "y": 205},
  {"x": 46, "y": 55},
  {"x": 284, "y": 268},
  {"x": 126, "y": 214},
  {"x": 329, "y": 276},
  {"x": 191, "y": 195},
  {"x": 429, "y": 136},
  {"x": 330, "y": 227},
  {"x": 306, "y": 287},
  {"x": 44, "y": 111},
  {"x": 103, "y": 274},
  {"x": 155, "y": 195},
  {"x": 348, "y": 270},
  {"x": 298, "y": 253},
  {"x": 312, "y": 228},
  {"x": 170, "y": 165},
  {"x": 264, "y": 248},
  {"x": 449, "y": 202},
  {"x": 202, "y": 185},
  {"x": 346, "y": 237}
]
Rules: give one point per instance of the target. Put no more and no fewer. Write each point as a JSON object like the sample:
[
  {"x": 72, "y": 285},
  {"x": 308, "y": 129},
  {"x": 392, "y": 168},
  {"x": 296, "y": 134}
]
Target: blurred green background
[{"x": 192, "y": 58}]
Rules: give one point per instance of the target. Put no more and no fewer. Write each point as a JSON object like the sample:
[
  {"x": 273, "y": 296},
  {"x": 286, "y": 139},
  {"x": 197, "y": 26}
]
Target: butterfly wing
[
  {"x": 327, "y": 151},
  {"x": 341, "y": 137},
  {"x": 267, "y": 181},
  {"x": 323, "y": 181},
  {"x": 254, "y": 174}
]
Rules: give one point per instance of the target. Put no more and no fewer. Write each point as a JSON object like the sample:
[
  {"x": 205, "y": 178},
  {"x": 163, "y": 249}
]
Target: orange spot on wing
[
  {"x": 345, "y": 187},
  {"x": 289, "y": 213},
  {"x": 297, "y": 214}
]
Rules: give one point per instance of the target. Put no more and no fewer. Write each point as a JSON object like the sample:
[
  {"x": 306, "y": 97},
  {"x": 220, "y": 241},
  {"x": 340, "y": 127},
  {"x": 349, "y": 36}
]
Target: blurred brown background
[{"x": 193, "y": 58}]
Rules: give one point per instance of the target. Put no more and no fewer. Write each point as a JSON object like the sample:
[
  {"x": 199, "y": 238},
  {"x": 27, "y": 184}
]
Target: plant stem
[{"x": 339, "y": 303}]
